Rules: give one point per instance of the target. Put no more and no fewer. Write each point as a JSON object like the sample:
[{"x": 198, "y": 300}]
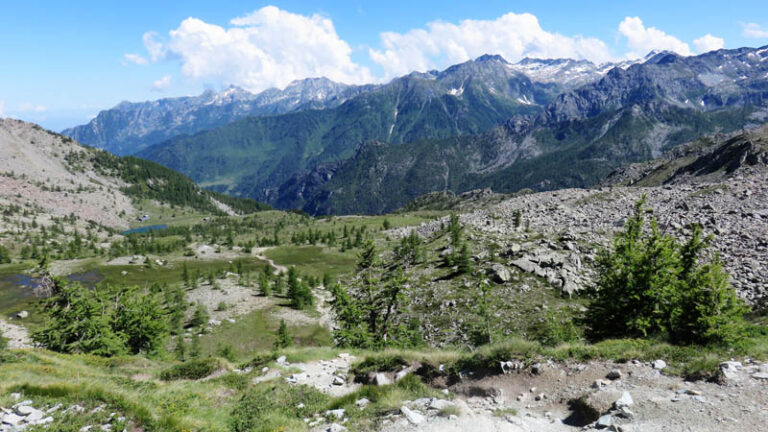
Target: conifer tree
[{"x": 283, "y": 337}]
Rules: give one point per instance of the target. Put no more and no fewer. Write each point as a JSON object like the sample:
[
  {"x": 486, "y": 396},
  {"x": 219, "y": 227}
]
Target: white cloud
[
  {"x": 641, "y": 40},
  {"x": 162, "y": 84},
  {"x": 513, "y": 36},
  {"x": 754, "y": 30},
  {"x": 271, "y": 47},
  {"x": 29, "y": 107},
  {"x": 708, "y": 43},
  {"x": 267, "y": 48},
  {"x": 154, "y": 46},
  {"x": 136, "y": 59}
]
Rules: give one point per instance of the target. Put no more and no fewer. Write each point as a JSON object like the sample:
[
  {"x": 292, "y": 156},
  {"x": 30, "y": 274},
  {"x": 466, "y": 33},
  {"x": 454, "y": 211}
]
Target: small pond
[{"x": 141, "y": 230}]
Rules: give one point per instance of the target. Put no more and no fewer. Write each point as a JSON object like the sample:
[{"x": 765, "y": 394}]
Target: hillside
[
  {"x": 709, "y": 159},
  {"x": 47, "y": 176},
  {"x": 254, "y": 156},
  {"x": 131, "y": 127}
]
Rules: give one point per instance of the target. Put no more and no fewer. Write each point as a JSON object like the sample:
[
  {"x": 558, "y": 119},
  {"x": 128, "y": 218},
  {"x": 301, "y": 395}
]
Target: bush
[
  {"x": 101, "y": 321},
  {"x": 556, "y": 327},
  {"x": 380, "y": 363},
  {"x": 192, "y": 370},
  {"x": 651, "y": 285},
  {"x": 200, "y": 316}
]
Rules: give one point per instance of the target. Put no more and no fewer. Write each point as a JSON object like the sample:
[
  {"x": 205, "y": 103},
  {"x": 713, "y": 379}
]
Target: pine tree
[
  {"x": 200, "y": 316},
  {"x": 649, "y": 284},
  {"x": 264, "y": 285},
  {"x": 283, "y": 337},
  {"x": 464, "y": 260},
  {"x": 298, "y": 291}
]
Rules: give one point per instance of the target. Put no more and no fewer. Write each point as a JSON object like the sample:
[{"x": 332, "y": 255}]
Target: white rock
[
  {"x": 414, "y": 417},
  {"x": 335, "y": 427},
  {"x": 362, "y": 403},
  {"x": 659, "y": 364},
  {"x": 605, "y": 421},
  {"x": 12, "y": 419},
  {"x": 440, "y": 404},
  {"x": 402, "y": 374},
  {"x": 26, "y": 410},
  {"x": 624, "y": 401},
  {"x": 337, "y": 413},
  {"x": 380, "y": 379}
]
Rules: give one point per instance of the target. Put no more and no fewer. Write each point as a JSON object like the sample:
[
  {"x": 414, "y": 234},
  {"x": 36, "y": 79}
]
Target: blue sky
[{"x": 62, "y": 62}]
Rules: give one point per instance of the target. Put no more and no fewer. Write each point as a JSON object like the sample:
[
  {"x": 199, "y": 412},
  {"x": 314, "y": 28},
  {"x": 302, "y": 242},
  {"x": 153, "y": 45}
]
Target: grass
[
  {"x": 503, "y": 412},
  {"x": 255, "y": 332},
  {"x": 314, "y": 260},
  {"x": 141, "y": 275}
]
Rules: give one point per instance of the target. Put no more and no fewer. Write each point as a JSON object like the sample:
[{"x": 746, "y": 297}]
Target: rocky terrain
[
  {"x": 35, "y": 176},
  {"x": 727, "y": 197}
]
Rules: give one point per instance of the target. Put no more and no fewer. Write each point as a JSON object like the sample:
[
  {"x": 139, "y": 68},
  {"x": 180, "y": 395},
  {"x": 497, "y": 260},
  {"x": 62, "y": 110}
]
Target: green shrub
[
  {"x": 556, "y": 327},
  {"x": 102, "y": 321},
  {"x": 380, "y": 363},
  {"x": 260, "y": 360},
  {"x": 192, "y": 370},
  {"x": 652, "y": 285}
]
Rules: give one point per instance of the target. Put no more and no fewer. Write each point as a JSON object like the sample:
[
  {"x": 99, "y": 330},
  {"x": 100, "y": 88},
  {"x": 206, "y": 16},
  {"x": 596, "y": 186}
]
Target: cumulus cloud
[
  {"x": 135, "y": 59},
  {"x": 513, "y": 36},
  {"x": 162, "y": 84},
  {"x": 641, "y": 39},
  {"x": 267, "y": 48},
  {"x": 708, "y": 43},
  {"x": 271, "y": 47},
  {"x": 754, "y": 30}
]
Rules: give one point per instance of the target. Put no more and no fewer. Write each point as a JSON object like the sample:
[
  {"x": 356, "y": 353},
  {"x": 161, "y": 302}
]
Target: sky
[{"x": 63, "y": 62}]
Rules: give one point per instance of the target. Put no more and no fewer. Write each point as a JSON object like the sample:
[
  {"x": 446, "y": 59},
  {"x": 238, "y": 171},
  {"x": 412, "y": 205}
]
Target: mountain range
[{"x": 539, "y": 124}]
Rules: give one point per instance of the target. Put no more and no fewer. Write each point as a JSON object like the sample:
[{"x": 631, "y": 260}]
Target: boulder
[
  {"x": 604, "y": 421},
  {"x": 525, "y": 265},
  {"x": 414, "y": 417},
  {"x": 337, "y": 413},
  {"x": 381, "y": 380},
  {"x": 597, "y": 403},
  {"x": 499, "y": 273},
  {"x": 624, "y": 401},
  {"x": 659, "y": 364}
]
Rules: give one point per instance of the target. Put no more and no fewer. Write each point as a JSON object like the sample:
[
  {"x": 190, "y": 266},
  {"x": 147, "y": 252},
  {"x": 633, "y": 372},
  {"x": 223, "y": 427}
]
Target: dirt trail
[
  {"x": 17, "y": 335},
  {"x": 657, "y": 402},
  {"x": 259, "y": 253},
  {"x": 328, "y": 376}
]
